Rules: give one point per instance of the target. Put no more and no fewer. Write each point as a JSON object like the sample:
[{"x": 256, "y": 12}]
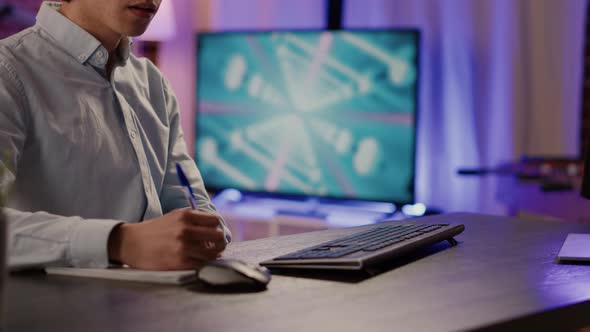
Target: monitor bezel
[{"x": 300, "y": 196}]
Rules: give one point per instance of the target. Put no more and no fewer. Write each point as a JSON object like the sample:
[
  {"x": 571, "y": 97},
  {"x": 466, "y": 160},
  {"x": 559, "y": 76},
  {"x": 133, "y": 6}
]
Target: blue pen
[
  {"x": 190, "y": 197},
  {"x": 189, "y": 194}
]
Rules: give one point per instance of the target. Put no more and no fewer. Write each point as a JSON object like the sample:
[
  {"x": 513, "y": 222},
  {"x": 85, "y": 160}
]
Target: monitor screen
[{"x": 313, "y": 113}]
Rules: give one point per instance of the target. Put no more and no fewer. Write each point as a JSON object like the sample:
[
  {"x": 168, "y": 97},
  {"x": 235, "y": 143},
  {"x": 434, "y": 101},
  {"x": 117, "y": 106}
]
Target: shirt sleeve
[
  {"x": 38, "y": 239},
  {"x": 172, "y": 196}
]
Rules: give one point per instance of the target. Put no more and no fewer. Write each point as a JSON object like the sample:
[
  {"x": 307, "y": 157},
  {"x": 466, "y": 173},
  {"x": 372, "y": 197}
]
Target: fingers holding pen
[
  {"x": 199, "y": 235},
  {"x": 200, "y": 242},
  {"x": 198, "y": 251},
  {"x": 177, "y": 240},
  {"x": 200, "y": 218}
]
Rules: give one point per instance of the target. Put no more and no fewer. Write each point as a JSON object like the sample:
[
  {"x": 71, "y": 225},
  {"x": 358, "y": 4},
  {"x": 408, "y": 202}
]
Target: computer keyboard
[{"x": 370, "y": 246}]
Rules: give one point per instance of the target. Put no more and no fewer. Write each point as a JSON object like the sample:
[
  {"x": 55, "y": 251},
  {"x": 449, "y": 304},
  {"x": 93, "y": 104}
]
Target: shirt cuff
[
  {"x": 88, "y": 244},
  {"x": 226, "y": 232}
]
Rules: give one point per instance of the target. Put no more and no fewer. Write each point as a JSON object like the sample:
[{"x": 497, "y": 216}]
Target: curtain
[{"x": 499, "y": 79}]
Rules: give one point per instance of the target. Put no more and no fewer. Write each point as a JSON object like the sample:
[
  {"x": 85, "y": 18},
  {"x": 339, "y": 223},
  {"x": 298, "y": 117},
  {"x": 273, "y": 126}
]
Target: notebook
[
  {"x": 124, "y": 273},
  {"x": 576, "y": 247}
]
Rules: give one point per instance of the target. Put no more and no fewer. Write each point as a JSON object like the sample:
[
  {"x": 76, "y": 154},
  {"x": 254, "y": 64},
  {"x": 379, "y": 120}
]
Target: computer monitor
[{"x": 309, "y": 113}]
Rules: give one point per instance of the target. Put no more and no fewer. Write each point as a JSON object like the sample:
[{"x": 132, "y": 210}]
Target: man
[{"x": 91, "y": 135}]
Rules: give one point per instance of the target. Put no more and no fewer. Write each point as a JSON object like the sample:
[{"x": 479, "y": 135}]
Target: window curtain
[{"x": 499, "y": 79}]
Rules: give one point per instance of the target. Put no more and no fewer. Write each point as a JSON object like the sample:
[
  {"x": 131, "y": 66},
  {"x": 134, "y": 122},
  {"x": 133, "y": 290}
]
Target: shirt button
[
  {"x": 100, "y": 54},
  {"x": 133, "y": 135},
  {"x": 82, "y": 58}
]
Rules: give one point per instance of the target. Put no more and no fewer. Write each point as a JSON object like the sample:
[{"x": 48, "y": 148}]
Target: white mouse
[{"x": 233, "y": 273}]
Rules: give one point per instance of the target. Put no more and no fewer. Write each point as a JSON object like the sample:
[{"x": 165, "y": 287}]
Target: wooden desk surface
[{"x": 501, "y": 275}]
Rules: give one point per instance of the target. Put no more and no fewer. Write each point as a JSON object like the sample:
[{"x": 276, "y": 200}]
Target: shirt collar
[{"x": 72, "y": 38}]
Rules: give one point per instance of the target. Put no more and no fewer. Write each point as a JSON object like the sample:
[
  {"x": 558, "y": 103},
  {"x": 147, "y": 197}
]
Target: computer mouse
[{"x": 234, "y": 274}]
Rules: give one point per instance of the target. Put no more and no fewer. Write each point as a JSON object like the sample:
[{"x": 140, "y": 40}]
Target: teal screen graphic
[{"x": 315, "y": 113}]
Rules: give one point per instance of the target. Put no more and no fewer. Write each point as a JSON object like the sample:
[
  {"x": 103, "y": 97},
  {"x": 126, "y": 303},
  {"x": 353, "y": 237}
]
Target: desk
[
  {"x": 501, "y": 276},
  {"x": 528, "y": 198},
  {"x": 246, "y": 227},
  {"x": 260, "y": 217}
]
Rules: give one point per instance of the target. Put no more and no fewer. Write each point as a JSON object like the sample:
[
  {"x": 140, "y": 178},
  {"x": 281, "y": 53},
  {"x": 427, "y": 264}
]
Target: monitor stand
[{"x": 342, "y": 213}]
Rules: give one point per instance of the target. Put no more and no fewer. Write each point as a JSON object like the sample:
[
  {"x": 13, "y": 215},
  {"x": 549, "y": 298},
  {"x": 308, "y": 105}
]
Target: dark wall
[{"x": 17, "y": 15}]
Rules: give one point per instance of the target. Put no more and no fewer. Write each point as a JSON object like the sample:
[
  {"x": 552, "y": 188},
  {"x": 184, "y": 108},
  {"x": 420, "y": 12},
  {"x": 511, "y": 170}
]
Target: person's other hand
[{"x": 179, "y": 240}]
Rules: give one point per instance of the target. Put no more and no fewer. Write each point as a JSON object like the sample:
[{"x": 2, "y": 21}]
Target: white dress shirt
[{"x": 85, "y": 152}]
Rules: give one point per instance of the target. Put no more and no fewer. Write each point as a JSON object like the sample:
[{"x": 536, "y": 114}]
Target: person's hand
[{"x": 182, "y": 239}]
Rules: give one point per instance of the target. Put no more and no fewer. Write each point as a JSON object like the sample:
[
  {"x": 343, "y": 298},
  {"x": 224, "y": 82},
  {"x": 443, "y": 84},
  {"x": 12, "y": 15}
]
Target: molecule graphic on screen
[{"x": 314, "y": 113}]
